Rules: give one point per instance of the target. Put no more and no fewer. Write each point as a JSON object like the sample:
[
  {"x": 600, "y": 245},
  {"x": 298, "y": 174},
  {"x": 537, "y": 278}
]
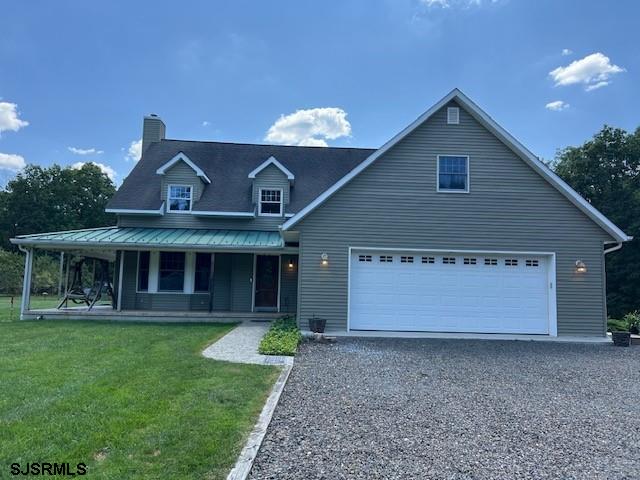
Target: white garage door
[{"x": 449, "y": 292}]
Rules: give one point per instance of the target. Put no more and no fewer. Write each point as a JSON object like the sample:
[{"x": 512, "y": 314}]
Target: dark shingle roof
[{"x": 228, "y": 166}]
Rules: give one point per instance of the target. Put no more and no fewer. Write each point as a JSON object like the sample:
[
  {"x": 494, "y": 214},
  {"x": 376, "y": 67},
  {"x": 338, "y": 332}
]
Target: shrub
[
  {"x": 282, "y": 338},
  {"x": 614, "y": 325},
  {"x": 632, "y": 320}
]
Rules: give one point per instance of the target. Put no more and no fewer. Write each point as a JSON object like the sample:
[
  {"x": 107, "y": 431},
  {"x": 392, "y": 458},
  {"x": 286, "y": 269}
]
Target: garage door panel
[{"x": 507, "y": 294}]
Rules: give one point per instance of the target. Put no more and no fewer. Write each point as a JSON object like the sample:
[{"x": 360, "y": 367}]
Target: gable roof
[
  {"x": 272, "y": 161},
  {"x": 484, "y": 119},
  {"x": 181, "y": 157},
  {"x": 228, "y": 165}
]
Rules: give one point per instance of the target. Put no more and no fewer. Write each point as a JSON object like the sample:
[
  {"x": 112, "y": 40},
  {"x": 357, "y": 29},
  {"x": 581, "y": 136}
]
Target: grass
[
  {"x": 129, "y": 400},
  {"x": 282, "y": 338}
]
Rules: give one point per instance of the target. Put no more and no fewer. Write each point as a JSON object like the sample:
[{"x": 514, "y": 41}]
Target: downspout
[{"x": 617, "y": 246}]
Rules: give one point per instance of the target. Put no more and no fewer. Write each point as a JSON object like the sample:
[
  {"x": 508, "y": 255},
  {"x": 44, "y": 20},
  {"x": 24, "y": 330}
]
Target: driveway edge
[{"x": 243, "y": 465}]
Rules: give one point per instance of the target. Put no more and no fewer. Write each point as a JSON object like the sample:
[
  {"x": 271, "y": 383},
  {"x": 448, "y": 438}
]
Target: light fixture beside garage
[
  {"x": 291, "y": 265},
  {"x": 581, "y": 267},
  {"x": 324, "y": 259}
]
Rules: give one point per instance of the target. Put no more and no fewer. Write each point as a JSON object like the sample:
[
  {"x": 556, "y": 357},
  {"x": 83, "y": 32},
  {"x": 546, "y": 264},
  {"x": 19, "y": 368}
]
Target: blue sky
[{"x": 80, "y": 75}]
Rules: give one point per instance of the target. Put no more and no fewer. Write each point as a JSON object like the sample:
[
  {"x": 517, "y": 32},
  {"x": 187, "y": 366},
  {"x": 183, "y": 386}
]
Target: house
[{"x": 451, "y": 226}]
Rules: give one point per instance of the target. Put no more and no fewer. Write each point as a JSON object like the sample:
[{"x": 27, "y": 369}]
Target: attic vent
[{"x": 453, "y": 115}]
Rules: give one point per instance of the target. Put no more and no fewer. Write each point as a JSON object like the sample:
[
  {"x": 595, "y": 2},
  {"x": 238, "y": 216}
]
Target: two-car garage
[{"x": 436, "y": 291}]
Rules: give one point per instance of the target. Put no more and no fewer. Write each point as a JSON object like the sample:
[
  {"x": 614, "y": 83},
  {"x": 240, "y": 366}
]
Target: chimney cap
[{"x": 154, "y": 115}]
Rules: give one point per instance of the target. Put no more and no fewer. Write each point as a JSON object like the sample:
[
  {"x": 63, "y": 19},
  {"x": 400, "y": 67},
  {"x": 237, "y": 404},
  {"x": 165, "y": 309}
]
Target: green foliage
[
  {"x": 130, "y": 400},
  {"x": 46, "y": 271},
  {"x": 633, "y": 321},
  {"x": 606, "y": 171},
  {"x": 282, "y": 338},
  {"x": 11, "y": 272},
  {"x": 45, "y": 199},
  {"x": 614, "y": 325}
]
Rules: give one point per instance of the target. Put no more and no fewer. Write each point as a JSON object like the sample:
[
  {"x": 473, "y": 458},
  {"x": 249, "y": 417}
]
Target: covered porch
[{"x": 168, "y": 274}]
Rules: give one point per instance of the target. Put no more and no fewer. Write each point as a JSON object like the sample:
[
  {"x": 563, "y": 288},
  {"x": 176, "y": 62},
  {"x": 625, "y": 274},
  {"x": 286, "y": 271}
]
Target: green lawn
[{"x": 129, "y": 400}]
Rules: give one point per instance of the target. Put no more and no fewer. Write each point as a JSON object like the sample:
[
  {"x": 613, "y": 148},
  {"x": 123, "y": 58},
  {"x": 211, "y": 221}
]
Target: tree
[
  {"x": 606, "y": 171},
  {"x": 45, "y": 199}
]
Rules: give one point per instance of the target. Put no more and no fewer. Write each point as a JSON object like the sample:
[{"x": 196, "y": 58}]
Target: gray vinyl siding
[
  {"x": 233, "y": 283},
  {"x": 394, "y": 204},
  {"x": 271, "y": 177},
  {"x": 181, "y": 174},
  {"x": 288, "y": 284}
]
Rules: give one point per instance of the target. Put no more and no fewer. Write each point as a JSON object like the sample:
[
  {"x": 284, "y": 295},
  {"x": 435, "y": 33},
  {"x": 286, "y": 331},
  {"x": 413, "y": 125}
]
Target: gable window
[
  {"x": 179, "y": 198},
  {"x": 453, "y": 173},
  {"x": 171, "y": 272},
  {"x": 143, "y": 271},
  {"x": 270, "y": 202},
  {"x": 203, "y": 272},
  {"x": 453, "y": 115}
]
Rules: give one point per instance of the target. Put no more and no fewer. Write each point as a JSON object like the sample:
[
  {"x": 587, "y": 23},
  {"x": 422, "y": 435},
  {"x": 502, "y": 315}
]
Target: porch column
[{"x": 26, "y": 284}]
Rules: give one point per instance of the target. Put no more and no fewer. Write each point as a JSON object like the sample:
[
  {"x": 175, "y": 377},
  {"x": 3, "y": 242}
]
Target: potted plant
[
  {"x": 317, "y": 324},
  {"x": 619, "y": 333},
  {"x": 633, "y": 320}
]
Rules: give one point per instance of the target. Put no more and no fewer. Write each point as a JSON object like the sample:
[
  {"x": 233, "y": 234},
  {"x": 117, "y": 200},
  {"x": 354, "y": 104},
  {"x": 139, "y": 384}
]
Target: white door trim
[{"x": 552, "y": 303}]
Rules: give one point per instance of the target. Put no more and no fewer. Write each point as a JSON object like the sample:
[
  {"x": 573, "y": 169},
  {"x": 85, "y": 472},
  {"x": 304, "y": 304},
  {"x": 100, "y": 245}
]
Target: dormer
[
  {"x": 271, "y": 189},
  {"x": 182, "y": 184}
]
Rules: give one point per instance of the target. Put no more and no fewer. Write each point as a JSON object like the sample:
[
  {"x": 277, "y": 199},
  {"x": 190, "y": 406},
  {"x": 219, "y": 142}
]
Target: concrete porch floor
[{"x": 105, "y": 312}]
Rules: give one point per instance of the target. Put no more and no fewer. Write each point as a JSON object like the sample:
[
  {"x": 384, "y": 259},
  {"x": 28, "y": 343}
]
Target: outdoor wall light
[
  {"x": 324, "y": 259},
  {"x": 291, "y": 265},
  {"x": 581, "y": 267}
]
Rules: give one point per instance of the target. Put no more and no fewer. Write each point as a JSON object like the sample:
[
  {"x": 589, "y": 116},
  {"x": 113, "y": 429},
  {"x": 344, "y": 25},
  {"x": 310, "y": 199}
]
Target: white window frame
[
  {"x": 260, "y": 190},
  {"x": 446, "y": 190},
  {"x": 169, "y": 187}
]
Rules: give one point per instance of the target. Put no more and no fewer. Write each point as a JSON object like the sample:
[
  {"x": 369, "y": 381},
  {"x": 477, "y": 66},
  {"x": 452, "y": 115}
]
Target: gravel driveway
[{"x": 456, "y": 409}]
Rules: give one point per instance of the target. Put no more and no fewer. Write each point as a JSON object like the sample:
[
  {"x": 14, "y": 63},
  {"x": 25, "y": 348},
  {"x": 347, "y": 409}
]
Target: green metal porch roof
[{"x": 174, "y": 238}]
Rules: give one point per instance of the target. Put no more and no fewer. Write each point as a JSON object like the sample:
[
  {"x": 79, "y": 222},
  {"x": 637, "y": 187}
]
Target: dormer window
[
  {"x": 179, "y": 198},
  {"x": 270, "y": 202}
]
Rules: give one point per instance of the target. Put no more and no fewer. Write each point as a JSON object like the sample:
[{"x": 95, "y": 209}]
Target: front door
[{"x": 266, "y": 284}]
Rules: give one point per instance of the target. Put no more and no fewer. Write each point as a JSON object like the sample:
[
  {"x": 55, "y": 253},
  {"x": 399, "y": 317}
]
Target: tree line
[{"x": 605, "y": 170}]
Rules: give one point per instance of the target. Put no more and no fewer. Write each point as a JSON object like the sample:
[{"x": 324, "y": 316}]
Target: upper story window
[
  {"x": 453, "y": 173},
  {"x": 270, "y": 204},
  {"x": 179, "y": 198}
]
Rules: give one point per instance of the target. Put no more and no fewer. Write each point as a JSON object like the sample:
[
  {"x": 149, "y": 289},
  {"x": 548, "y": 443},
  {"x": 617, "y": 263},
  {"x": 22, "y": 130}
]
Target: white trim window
[
  {"x": 179, "y": 198},
  {"x": 171, "y": 272},
  {"x": 270, "y": 202},
  {"x": 453, "y": 173}
]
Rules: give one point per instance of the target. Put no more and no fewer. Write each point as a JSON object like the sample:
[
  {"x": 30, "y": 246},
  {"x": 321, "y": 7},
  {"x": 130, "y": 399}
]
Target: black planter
[
  {"x": 316, "y": 324},
  {"x": 621, "y": 339}
]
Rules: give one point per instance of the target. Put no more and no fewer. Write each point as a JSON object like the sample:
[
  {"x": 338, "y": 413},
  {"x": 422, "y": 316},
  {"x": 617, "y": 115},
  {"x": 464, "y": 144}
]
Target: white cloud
[
  {"x": 311, "y": 127},
  {"x": 106, "y": 169},
  {"x": 85, "y": 151},
  {"x": 9, "y": 118},
  {"x": 206, "y": 123},
  {"x": 556, "y": 106},
  {"x": 566, "y": 51},
  {"x": 593, "y": 70},
  {"x": 595, "y": 86},
  {"x": 135, "y": 150},
  {"x": 9, "y": 161}
]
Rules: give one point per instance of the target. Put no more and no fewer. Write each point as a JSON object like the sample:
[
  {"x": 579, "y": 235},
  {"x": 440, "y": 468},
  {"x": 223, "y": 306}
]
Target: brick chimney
[{"x": 153, "y": 130}]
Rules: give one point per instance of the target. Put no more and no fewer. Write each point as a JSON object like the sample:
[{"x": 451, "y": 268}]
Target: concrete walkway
[{"x": 240, "y": 345}]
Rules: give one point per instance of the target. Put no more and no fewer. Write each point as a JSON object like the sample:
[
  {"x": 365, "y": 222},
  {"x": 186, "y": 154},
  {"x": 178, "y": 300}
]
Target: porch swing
[{"x": 89, "y": 296}]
